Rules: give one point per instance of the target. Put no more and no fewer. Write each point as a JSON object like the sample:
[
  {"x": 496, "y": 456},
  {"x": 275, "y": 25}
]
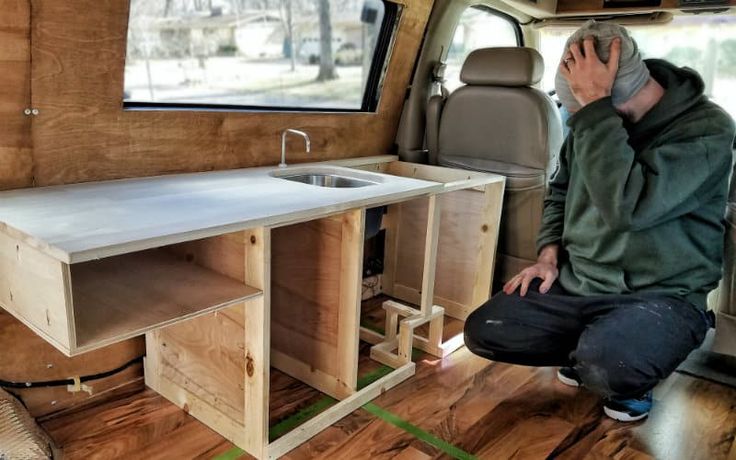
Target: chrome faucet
[{"x": 283, "y": 143}]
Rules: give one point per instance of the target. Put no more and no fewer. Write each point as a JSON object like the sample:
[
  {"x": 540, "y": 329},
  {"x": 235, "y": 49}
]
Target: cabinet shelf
[{"x": 124, "y": 296}]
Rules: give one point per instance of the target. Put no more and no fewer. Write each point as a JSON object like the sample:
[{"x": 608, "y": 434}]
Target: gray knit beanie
[{"x": 632, "y": 72}]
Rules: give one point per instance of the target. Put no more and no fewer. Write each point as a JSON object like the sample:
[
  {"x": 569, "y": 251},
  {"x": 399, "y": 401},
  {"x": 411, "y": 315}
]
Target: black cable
[{"x": 64, "y": 382}]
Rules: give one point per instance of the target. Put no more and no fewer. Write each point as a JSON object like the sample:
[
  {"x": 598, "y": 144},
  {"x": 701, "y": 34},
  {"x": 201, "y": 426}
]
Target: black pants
[{"x": 620, "y": 345}]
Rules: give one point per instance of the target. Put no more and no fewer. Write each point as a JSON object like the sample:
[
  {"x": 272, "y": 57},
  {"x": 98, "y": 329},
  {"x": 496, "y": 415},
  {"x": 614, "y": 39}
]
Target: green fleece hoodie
[{"x": 639, "y": 207}]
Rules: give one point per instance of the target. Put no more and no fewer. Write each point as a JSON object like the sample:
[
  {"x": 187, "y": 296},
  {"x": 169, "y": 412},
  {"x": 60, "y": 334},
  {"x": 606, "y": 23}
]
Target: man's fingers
[
  {"x": 511, "y": 286},
  {"x": 577, "y": 55},
  {"x": 564, "y": 70},
  {"x": 525, "y": 284},
  {"x": 546, "y": 284},
  {"x": 589, "y": 47},
  {"x": 615, "y": 55}
]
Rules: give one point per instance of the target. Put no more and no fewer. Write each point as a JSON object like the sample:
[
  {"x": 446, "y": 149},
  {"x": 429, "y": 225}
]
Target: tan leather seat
[
  {"x": 498, "y": 123},
  {"x": 724, "y": 299}
]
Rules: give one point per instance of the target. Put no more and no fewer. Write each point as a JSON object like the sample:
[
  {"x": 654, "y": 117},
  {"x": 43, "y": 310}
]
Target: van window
[
  {"x": 479, "y": 27},
  {"x": 293, "y": 55},
  {"x": 704, "y": 43}
]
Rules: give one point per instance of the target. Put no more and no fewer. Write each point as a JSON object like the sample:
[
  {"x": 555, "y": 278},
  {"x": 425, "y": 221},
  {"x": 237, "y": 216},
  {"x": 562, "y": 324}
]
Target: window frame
[
  {"x": 514, "y": 22},
  {"x": 371, "y": 93},
  {"x": 492, "y": 11}
]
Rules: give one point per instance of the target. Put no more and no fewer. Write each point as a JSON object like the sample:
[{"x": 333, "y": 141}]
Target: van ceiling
[{"x": 637, "y": 11}]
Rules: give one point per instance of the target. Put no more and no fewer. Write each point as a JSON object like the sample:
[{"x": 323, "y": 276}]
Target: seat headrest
[{"x": 511, "y": 66}]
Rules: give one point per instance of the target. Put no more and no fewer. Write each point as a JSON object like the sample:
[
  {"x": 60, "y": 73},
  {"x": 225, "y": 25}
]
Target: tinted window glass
[{"x": 316, "y": 54}]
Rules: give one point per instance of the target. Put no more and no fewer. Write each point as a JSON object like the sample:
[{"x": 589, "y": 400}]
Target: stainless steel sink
[{"x": 328, "y": 180}]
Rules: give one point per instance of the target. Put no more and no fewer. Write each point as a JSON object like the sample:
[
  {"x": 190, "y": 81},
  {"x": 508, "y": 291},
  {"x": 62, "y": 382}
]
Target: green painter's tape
[
  {"x": 418, "y": 433},
  {"x": 371, "y": 377},
  {"x": 231, "y": 454},
  {"x": 297, "y": 419}
]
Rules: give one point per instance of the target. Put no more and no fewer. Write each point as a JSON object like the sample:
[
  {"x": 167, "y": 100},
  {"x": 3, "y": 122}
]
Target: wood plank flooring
[{"x": 460, "y": 404}]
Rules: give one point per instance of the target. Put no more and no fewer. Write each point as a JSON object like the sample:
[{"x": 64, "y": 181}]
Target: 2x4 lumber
[
  {"x": 453, "y": 179},
  {"x": 257, "y": 322},
  {"x": 351, "y": 268},
  {"x": 430, "y": 255},
  {"x": 382, "y": 351},
  {"x": 312, "y": 427},
  {"x": 391, "y": 221},
  {"x": 486, "y": 258}
]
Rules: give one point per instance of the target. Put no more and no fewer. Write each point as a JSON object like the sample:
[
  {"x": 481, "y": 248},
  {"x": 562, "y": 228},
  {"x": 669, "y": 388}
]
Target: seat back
[
  {"x": 497, "y": 122},
  {"x": 724, "y": 301}
]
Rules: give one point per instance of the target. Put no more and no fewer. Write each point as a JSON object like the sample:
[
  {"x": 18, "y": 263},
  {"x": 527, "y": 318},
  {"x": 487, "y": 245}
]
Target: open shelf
[{"x": 124, "y": 296}]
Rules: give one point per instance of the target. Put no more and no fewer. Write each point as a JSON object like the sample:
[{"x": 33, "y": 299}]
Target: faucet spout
[{"x": 307, "y": 143}]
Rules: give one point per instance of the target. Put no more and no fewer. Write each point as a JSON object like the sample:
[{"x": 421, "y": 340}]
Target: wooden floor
[{"x": 459, "y": 407}]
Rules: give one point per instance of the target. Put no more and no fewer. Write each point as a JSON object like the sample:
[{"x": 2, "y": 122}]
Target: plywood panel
[
  {"x": 317, "y": 269},
  {"x": 82, "y": 133},
  {"x": 306, "y": 291},
  {"x": 206, "y": 356},
  {"x": 462, "y": 231},
  {"x": 33, "y": 287},
  {"x": 15, "y": 134},
  {"x": 124, "y": 296}
]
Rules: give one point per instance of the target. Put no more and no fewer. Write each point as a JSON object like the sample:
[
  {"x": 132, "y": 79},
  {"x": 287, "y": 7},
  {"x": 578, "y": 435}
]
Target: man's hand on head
[
  {"x": 588, "y": 77},
  {"x": 545, "y": 268}
]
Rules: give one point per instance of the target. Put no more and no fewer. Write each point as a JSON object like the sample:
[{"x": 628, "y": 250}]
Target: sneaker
[
  {"x": 569, "y": 376},
  {"x": 628, "y": 410}
]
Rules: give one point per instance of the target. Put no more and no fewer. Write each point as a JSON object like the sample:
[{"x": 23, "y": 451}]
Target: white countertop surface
[{"x": 81, "y": 222}]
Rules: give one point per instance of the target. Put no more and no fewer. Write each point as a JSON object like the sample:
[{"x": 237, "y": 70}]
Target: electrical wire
[{"x": 64, "y": 382}]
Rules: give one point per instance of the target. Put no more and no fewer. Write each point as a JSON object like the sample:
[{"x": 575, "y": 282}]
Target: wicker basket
[{"x": 20, "y": 437}]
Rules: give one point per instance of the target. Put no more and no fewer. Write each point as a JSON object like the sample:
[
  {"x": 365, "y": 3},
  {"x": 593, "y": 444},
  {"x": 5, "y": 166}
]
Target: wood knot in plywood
[
  {"x": 484, "y": 228},
  {"x": 185, "y": 408},
  {"x": 250, "y": 367},
  {"x": 253, "y": 239}
]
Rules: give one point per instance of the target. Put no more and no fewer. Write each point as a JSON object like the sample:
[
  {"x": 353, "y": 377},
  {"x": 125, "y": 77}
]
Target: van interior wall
[
  {"x": 82, "y": 133},
  {"x": 15, "y": 90}
]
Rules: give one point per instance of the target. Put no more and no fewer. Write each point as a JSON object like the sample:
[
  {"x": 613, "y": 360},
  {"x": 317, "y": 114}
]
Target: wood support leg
[
  {"x": 257, "y": 341},
  {"x": 406, "y": 338}
]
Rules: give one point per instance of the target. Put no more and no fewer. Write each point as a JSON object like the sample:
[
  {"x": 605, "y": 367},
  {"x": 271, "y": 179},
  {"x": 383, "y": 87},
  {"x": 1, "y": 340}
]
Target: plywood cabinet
[
  {"x": 217, "y": 366},
  {"x": 84, "y": 306},
  {"x": 468, "y": 210},
  {"x": 280, "y": 290}
]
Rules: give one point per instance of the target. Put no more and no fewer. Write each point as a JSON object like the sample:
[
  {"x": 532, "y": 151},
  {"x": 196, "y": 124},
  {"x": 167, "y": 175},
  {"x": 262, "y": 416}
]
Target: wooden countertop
[{"x": 82, "y": 222}]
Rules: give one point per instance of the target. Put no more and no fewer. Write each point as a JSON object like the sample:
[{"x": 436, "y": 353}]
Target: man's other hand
[
  {"x": 545, "y": 268},
  {"x": 588, "y": 77}
]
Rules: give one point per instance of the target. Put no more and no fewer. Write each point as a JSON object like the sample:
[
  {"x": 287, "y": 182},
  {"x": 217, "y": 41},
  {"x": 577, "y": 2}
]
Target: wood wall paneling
[
  {"x": 82, "y": 133},
  {"x": 15, "y": 128}
]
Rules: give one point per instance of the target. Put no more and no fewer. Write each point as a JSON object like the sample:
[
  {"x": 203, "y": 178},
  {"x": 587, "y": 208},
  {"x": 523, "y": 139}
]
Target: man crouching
[{"x": 632, "y": 232}]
